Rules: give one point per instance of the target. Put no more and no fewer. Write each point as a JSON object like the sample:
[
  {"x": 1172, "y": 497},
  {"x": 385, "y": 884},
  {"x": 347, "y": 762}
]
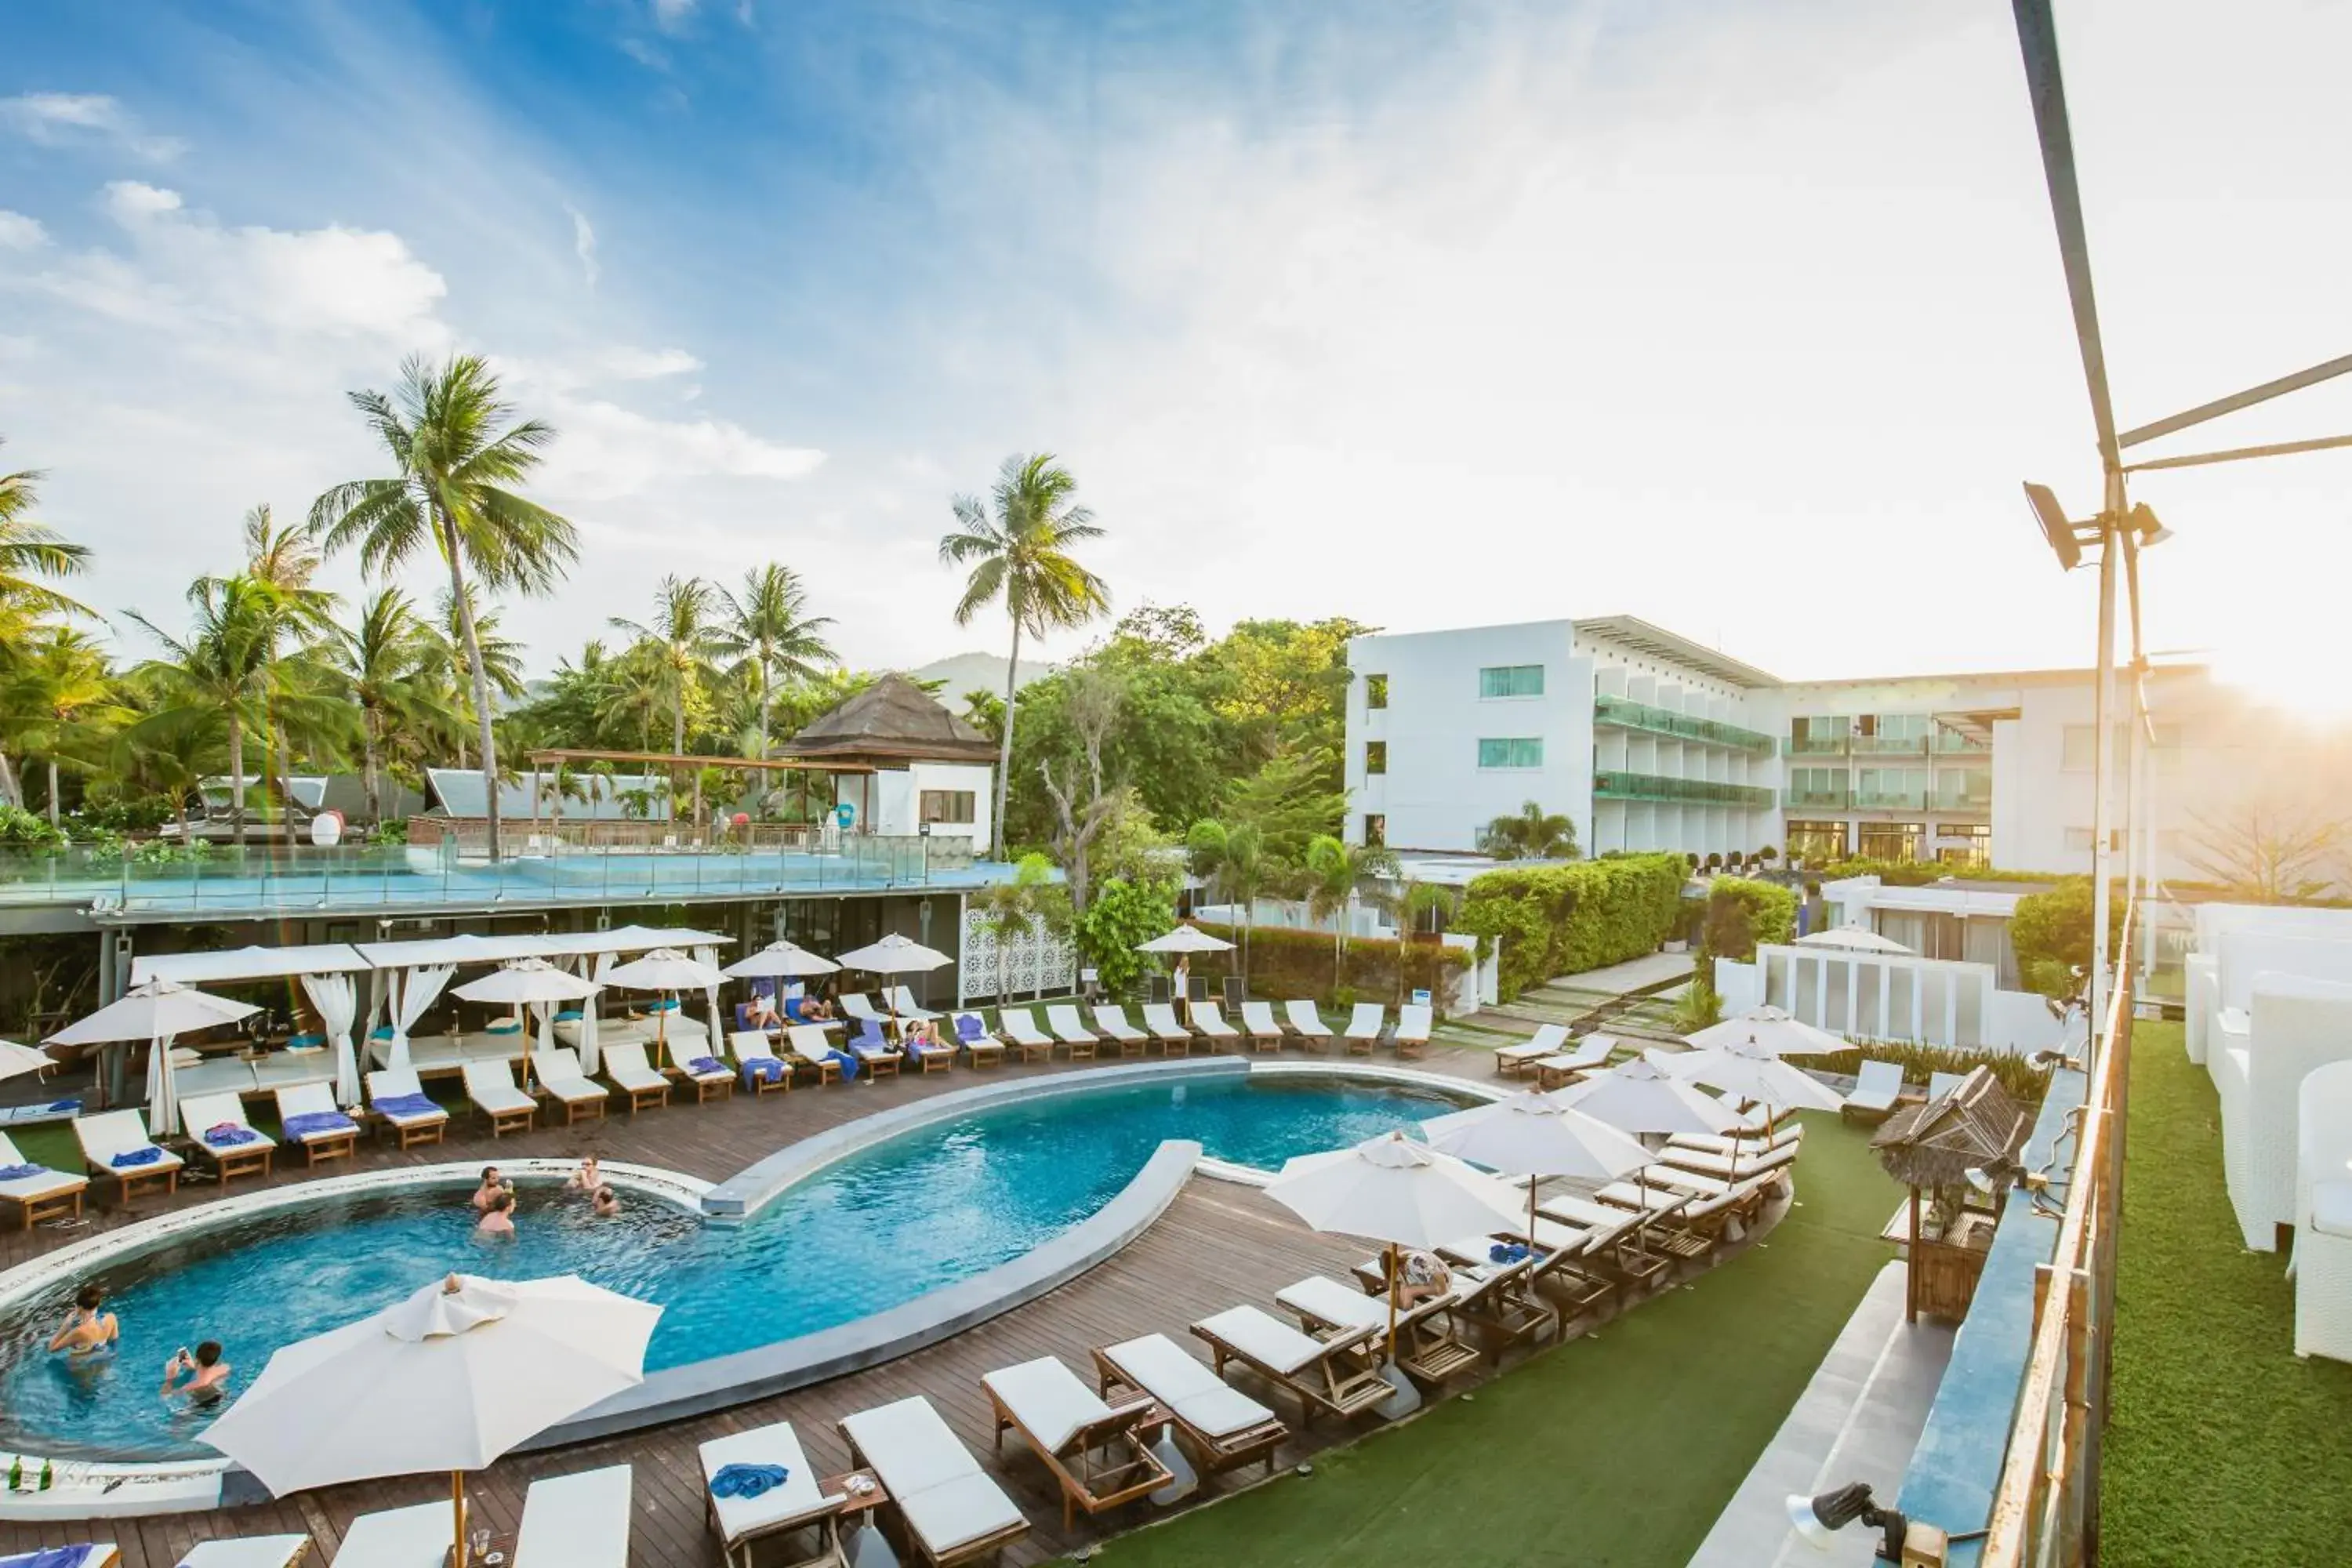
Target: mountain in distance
[{"x": 962, "y": 672}]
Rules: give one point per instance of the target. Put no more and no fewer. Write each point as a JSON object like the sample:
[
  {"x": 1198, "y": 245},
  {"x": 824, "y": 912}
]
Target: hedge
[
  {"x": 1919, "y": 1062},
  {"x": 1921, "y": 873},
  {"x": 1564, "y": 920},
  {"x": 1771, "y": 910},
  {"x": 1287, "y": 962}
]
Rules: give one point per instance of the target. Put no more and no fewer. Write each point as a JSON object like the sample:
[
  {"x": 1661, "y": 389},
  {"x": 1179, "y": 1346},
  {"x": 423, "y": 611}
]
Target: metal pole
[{"x": 2103, "y": 778}]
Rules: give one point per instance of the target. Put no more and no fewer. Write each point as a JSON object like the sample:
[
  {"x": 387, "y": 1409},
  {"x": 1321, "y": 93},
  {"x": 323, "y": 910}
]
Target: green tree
[
  {"x": 770, "y": 634},
  {"x": 1119, "y": 918},
  {"x": 1420, "y": 904},
  {"x": 1286, "y": 802},
  {"x": 1532, "y": 834},
  {"x": 55, "y": 697},
  {"x": 1338, "y": 876},
  {"x": 456, "y": 658},
  {"x": 679, "y": 644},
  {"x": 1015, "y": 907},
  {"x": 1233, "y": 861},
  {"x": 1017, "y": 543},
  {"x": 30, "y": 557},
  {"x": 460, "y": 454},
  {"x": 384, "y": 666},
  {"x": 2051, "y": 933}
]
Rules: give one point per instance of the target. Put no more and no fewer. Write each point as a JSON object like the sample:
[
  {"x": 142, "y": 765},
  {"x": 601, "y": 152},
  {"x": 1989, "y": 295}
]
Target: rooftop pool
[{"x": 936, "y": 1205}]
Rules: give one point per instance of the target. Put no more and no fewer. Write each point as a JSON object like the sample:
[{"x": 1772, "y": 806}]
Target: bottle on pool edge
[
  {"x": 49, "y": 1475},
  {"x": 17, "y": 1473}
]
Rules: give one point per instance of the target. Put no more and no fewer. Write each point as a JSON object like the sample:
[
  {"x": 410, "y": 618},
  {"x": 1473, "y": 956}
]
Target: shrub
[
  {"x": 1919, "y": 873},
  {"x": 1563, "y": 920},
  {"x": 1286, "y": 963},
  {"x": 1921, "y": 1062},
  {"x": 1772, "y": 911},
  {"x": 24, "y": 829},
  {"x": 2052, "y": 933},
  {"x": 1121, "y": 914}
]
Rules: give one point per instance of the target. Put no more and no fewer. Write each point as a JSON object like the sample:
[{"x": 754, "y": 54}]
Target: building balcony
[
  {"x": 1890, "y": 746},
  {"x": 1814, "y": 746},
  {"x": 1978, "y": 800},
  {"x": 1890, "y": 799},
  {"x": 1952, "y": 743},
  {"x": 1624, "y": 714},
  {"x": 1684, "y": 792},
  {"x": 1816, "y": 799}
]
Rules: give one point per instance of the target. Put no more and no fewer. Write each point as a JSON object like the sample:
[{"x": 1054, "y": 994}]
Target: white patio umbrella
[
  {"x": 1185, "y": 939},
  {"x": 530, "y": 982},
  {"x": 894, "y": 954},
  {"x": 154, "y": 1012},
  {"x": 1397, "y": 1189},
  {"x": 1640, "y": 1096},
  {"x": 1531, "y": 1134},
  {"x": 1770, "y": 1029},
  {"x": 779, "y": 960},
  {"x": 665, "y": 969},
  {"x": 16, "y": 1060},
  {"x": 1853, "y": 939},
  {"x": 1752, "y": 1073},
  {"x": 447, "y": 1379}
]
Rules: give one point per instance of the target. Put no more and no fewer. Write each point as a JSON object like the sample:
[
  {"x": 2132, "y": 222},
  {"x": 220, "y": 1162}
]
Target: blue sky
[{"x": 1744, "y": 319}]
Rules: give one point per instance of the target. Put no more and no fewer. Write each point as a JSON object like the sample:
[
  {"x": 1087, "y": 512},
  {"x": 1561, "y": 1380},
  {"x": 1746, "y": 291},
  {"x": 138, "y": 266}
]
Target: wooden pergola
[{"x": 673, "y": 761}]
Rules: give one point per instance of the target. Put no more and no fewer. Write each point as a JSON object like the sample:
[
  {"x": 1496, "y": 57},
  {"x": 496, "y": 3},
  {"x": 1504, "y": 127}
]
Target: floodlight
[
  {"x": 2043, "y": 1060},
  {"x": 2151, "y": 532},
  {"x": 2052, "y": 518},
  {"x": 1816, "y": 1519}
]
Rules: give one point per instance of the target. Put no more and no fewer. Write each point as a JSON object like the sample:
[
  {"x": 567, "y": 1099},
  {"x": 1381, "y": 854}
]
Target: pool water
[{"x": 930, "y": 1207}]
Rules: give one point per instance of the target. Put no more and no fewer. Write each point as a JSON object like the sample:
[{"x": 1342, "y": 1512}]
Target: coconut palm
[
  {"x": 1339, "y": 875},
  {"x": 1532, "y": 834},
  {"x": 770, "y": 634},
  {"x": 455, "y": 659},
  {"x": 385, "y": 665},
  {"x": 282, "y": 562},
  {"x": 459, "y": 452},
  {"x": 54, "y": 689},
  {"x": 1234, "y": 861},
  {"x": 29, "y": 556},
  {"x": 1016, "y": 543},
  {"x": 679, "y": 644}
]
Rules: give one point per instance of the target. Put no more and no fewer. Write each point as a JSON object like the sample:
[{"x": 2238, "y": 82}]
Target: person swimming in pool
[
  {"x": 585, "y": 1177},
  {"x": 499, "y": 1218},
  {"x": 493, "y": 1185},
  {"x": 200, "y": 1378},
  {"x": 88, "y": 1331},
  {"x": 608, "y": 1203}
]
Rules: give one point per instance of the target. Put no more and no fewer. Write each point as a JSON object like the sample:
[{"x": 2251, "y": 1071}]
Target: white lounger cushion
[
  {"x": 1323, "y": 1298},
  {"x": 418, "y": 1537},
  {"x": 560, "y": 1075},
  {"x": 1068, "y": 1027},
  {"x": 312, "y": 1099},
  {"x": 1021, "y": 1026},
  {"x": 1304, "y": 1019},
  {"x": 902, "y": 998},
  {"x": 1111, "y": 1019},
  {"x": 1365, "y": 1021},
  {"x": 203, "y": 1112},
  {"x": 1877, "y": 1087},
  {"x": 35, "y": 1187},
  {"x": 1160, "y": 1366},
  {"x": 1159, "y": 1017},
  {"x": 386, "y": 1084},
  {"x": 1413, "y": 1022},
  {"x": 249, "y": 1551},
  {"x": 113, "y": 1132},
  {"x": 1542, "y": 1043},
  {"x": 576, "y": 1522},
  {"x": 1048, "y": 1400},
  {"x": 740, "y": 1517},
  {"x": 492, "y": 1086},
  {"x": 941, "y": 1490},
  {"x": 1257, "y": 1018},
  {"x": 1211, "y": 1022},
  {"x": 626, "y": 1066},
  {"x": 96, "y": 1555},
  {"x": 751, "y": 1045},
  {"x": 1265, "y": 1339}
]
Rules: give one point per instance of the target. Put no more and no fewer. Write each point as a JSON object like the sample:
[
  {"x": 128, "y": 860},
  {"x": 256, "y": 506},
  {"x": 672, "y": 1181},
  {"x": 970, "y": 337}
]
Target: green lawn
[
  {"x": 2221, "y": 1446},
  {"x": 1616, "y": 1449}
]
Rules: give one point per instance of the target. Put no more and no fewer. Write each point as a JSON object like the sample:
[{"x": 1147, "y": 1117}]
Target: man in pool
[
  {"x": 200, "y": 1379},
  {"x": 584, "y": 1176},
  {"x": 492, "y": 1185},
  {"x": 608, "y": 1203},
  {"x": 88, "y": 1331},
  {"x": 499, "y": 1218}
]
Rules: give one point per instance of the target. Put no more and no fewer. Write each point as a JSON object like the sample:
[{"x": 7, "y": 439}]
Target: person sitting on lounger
[
  {"x": 200, "y": 1379},
  {"x": 815, "y": 1010},
  {"x": 919, "y": 1037},
  {"x": 608, "y": 1204},
  {"x": 1425, "y": 1277},
  {"x": 585, "y": 1177},
  {"x": 88, "y": 1331},
  {"x": 492, "y": 1185},
  {"x": 760, "y": 1012},
  {"x": 499, "y": 1218}
]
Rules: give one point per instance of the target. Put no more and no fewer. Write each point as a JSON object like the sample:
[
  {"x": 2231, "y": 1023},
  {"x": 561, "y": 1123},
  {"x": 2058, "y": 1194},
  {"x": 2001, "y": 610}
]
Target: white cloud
[
  {"x": 19, "y": 232},
  {"x": 671, "y": 14},
  {"x": 57, "y": 119},
  {"x": 609, "y": 452},
  {"x": 646, "y": 364},
  {"x": 583, "y": 244}
]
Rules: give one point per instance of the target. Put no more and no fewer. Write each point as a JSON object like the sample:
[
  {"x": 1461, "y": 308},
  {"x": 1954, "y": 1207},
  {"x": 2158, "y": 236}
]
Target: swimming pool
[{"x": 936, "y": 1205}]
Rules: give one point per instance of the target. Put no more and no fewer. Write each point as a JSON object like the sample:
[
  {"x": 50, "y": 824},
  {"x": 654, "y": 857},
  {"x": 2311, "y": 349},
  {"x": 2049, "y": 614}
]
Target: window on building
[
  {"x": 1376, "y": 692},
  {"x": 1816, "y": 843},
  {"x": 1376, "y": 757},
  {"x": 1894, "y": 840},
  {"x": 1511, "y": 681},
  {"x": 1825, "y": 786},
  {"x": 1964, "y": 844},
  {"x": 1817, "y": 733},
  {"x": 948, "y": 806},
  {"x": 1521, "y": 752},
  {"x": 1376, "y": 830}
]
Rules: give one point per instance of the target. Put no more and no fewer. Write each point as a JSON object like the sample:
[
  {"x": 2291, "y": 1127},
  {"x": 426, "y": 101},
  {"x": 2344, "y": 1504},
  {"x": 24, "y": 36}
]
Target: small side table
[
  {"x": 860, "y": 1503},
  {"x": 501, "y": 1549}
]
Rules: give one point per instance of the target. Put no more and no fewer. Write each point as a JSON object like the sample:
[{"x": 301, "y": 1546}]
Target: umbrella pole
[
  {"x": 1531, "y": 1214},
  {"x": 458, "y": 1556},
  {"x": 1396, "y": 1278}
]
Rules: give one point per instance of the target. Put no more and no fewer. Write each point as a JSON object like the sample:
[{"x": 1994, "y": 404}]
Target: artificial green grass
[
  {"x": 2221, "y": 1446},
  {"x": 1619, "y": 1449}
]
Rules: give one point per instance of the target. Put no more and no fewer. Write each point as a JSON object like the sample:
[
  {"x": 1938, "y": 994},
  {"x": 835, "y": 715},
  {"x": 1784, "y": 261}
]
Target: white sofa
[
  {"x": 2217, "y": 920},
  {"x": 2245, "y": 956},
  {"x": 2322, "y": 1214},
  {"x": 2296, "y": 1025}
]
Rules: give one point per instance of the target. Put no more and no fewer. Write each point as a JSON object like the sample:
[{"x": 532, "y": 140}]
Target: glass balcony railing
[
  {"x": 1691, "y": 792},
  {"x": 1814, "y": 745},
  {"x": 1890, "y": 746},
  {"x": 1816, "y": 799},
  {"x": 1957, "y": 799},
  {"x": 1627, "y": 714},
  {"x": 1890, "y": 800},
  {"x": 1953, "y": 744}
]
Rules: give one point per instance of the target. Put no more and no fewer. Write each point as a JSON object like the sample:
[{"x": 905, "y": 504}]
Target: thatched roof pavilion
[
  {"x": 894, "y": 720},
  {"x": 1937, "y": 1143}
]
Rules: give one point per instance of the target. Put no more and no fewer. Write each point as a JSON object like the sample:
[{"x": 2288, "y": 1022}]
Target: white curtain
[
  {"x": 416, "y": 993},
  {"x": 591, "y": 1055},
  {"x": 162, "y": 1092},
  {"x": 709, "y": 955},
  {"x": 545, "y": 1013},
  {"x": 336, "y": 1002},
  {"x": 376, "y": 982}
]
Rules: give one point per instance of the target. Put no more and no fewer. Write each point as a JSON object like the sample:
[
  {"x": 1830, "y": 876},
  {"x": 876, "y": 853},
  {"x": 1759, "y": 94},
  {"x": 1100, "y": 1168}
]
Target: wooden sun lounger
[
  {"x": 1730, "y": 1167},
  {"x": 751, "y": 1050},
  {"x": 797, "y": 1509},
  {"x": 559, "y": 1074},
  {"x": 1788, "y": 1135},
  {"x": 1257, "y": 1022},
  {"x": 1335, "y": 1313},
  {"x": 903, "y": 1003},
  {"x": 202, "y": 1113},
  {"x": 952, "y": 1511},
  {"x": 113, "y": 1132},
  {"x": 423, "y": 1127},
  {"x": 1210, "y": 1023},
  {"x": 1218, "y": 1426},
  {"x": 1110, "y": 1019},
  {"x": 626, "y": 1068},
  {"x": 418, "y": 1537},
  {"x": 1020, "y": 1030},
  {"x": 47, "y": 1194},
  {"x": 1338, "y": 1375},
  {"x": 241, "y": 1552},
  {"x": 1159, "y": 1017},
  {"x": 1413, "y": 1025},
  {"x": 877, "y": 1056},
  {"x": 490, "y": 1085},
  {"x": 1306, "y": 1021},
  {"x": 972, "y": 1033},
  {"x": 1564, "y": 1067},
  {"x": 1067, "y": 1027},
  {"x": 708, "y": 1082},
  {"x": 1518, "y": 1061},
  {"x": 1095, "y": 1450},
  {"x": 579, "y": 1521},
  {"x": 1364, "y": 1026}
]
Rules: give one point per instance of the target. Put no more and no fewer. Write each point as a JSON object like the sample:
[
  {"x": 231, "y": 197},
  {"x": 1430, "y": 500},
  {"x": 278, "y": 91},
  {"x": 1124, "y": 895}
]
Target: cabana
[
  {"x": 1931, "y": 1147},
  {"x": 325, "y": 973}
]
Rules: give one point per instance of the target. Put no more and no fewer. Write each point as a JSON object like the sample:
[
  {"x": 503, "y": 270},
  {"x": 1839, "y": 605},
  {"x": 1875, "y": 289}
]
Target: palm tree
[
  {"x": 1532, "y": 834},
  {"x": 499, "y": 657},
  {"x": 459, "y": 452},
  {"x": 1416, "y": 903},
  {"x": 768, "y": 633},
  {"x": 679, "y": 644},
  {"x": 1017, "y": 545},
  {"x": 1234, "y": 860},
  {"x": 56, "y": 686},
  {"x": 283, "y": 561},
  {"x": 28, "y": 554},
  {"x": 1338, "y": 875},
  {"x": 384, "y": 666}
]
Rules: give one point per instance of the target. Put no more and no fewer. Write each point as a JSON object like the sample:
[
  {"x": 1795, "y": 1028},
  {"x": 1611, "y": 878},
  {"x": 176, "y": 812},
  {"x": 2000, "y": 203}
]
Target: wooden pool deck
[{"x": 1217, "y": 1245}]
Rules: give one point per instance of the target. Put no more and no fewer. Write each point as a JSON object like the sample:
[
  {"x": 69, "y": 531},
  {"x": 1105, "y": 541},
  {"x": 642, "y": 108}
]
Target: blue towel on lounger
[
  {"x": 970, "y": 1029},
  {"x": 1507, "y": 1252},
  {"x": 762, "y": 1069},
  {"x": 130, "y": 1158},
  {"x": 18, "y": 1173},
  {"x": 312, "y": 1123},
  {"x": 705, "y": 1066},
  {"x": 406, "y": 1105},
  {"x": 228, "y": 1135},
  {"x": 748, "y": 1481},
  {"x": 848, "y": 1065},
  {"x": 49, "y": 1557}
]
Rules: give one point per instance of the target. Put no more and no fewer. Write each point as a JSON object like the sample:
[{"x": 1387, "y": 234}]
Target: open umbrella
[
  {"x": 1531, "y": 1134},
  {"x": 779, "y": 960},
  {"x": 530, "y": 983},
  {"x": 1640, "y": 1096},
  {"x": 1853, "y": 939},
  {"x": 1768, "y": 1028},
  {"x": 665, "y": 969},
  {"x": 1753, "y": 1073},
  {"x": 1396, "y": 1190},
  {"x": 894, "y": 954},
  {"x": 1185, "y": 939},
  {"x": 447, "y": 1379},
  {"x": 154, "y": 1012},
  {"x": 17, "y": 1060}
]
